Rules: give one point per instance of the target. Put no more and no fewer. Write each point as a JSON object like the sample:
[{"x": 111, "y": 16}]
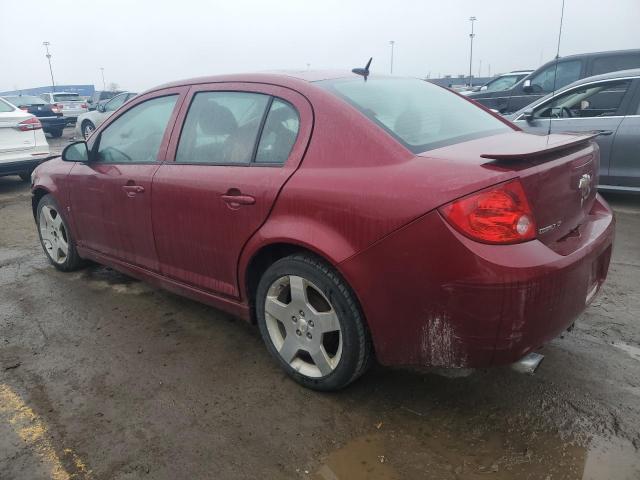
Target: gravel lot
[{"x": 104, "y": 377}]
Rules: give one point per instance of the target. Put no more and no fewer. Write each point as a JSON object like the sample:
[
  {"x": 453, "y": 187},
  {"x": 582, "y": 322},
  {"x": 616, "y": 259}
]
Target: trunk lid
[{"x": 559, "y": 173}]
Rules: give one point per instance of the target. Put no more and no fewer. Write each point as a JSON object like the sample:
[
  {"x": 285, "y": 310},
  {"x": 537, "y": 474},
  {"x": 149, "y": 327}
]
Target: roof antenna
[
  {"x": 363, "y": 71},
  {"x": 555, "y": 73}
]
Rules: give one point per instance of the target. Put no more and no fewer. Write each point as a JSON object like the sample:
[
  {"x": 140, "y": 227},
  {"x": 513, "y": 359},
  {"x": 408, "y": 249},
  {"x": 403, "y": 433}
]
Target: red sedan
[{"x": 350, "y": 217}]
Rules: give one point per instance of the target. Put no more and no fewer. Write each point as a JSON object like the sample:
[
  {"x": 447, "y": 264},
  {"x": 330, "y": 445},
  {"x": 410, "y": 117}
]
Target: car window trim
[{"x": 167, "y": 133}]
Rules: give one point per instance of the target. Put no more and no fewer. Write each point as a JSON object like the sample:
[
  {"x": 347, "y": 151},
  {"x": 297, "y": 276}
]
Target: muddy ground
[{"x": 104, "y": 377}]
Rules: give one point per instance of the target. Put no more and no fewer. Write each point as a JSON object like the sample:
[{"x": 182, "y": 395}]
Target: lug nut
[
  {"x": 309, "y": 335},
  {"x": 298, "y": 332},
  {"x": 294, "y": 319},
  {"x": 311, "y": 323},
  {"x": 301, "y": 313}
]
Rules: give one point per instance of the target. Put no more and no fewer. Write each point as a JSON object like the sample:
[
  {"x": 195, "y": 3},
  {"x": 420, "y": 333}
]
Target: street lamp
[
  {"x": 104, "y": 85},
  {"x": 392, "y": 43},
  {"x": 471, "y": 35},
  {"x": 48, "y": 55}
]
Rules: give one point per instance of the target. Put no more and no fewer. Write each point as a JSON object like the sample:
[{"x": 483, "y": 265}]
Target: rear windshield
[
  {"x": 63, "y": 97},
  {"x": 21, "y": 100},
  {"x": 5, "y": 107},
  {"x": 420, "y": 115}
]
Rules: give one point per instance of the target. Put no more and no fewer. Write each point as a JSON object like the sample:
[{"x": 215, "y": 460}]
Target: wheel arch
[{"x": 36, "y": 195}]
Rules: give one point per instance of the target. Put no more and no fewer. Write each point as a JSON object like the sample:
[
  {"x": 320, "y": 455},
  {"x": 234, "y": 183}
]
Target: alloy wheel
[
  {"x": 303, "y": 326},
  {"x": 53, "y": 234}
]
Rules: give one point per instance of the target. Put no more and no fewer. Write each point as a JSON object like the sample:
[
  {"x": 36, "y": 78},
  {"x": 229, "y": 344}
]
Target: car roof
[
  {"x": 285, "y": 78},
  {"x": 632, "y": 73},
  {"x": 598, "y": 54}
]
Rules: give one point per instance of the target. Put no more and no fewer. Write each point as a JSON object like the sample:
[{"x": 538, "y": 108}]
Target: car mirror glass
[{"x": 76, "y": 152}]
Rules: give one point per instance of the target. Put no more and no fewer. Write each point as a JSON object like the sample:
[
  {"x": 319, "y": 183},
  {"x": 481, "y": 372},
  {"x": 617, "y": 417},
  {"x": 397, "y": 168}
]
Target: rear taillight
[
  {"x": 55, "y": 108},
  {"x": 24, "y": 109},
  {"x": 499, "y": 214},
  {"x": 84, "y": 105},
  {"x": 29, "y": 124}
]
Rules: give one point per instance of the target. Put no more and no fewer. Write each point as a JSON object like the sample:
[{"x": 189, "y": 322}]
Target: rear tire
[
  {"x": 56, "y": 133},
  {"x": 55, "y": 236},
  {"x": 311, "y": 323}
]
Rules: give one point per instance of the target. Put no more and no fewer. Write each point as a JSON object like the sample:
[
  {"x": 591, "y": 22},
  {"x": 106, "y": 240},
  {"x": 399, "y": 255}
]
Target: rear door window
[
  {"x": 615, "y": 63},
  {"x": 65, "y": 97},
  {"x": 222, "y": 128},
  {"x": 279, "y": 133}
]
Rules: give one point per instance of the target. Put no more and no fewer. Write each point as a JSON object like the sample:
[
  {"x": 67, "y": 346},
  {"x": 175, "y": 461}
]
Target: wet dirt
[{"x": 128, "y": 382}]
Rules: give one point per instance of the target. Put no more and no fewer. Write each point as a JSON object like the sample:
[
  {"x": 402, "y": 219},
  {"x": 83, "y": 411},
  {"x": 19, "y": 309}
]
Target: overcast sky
[{"x": 144, "y": 43}]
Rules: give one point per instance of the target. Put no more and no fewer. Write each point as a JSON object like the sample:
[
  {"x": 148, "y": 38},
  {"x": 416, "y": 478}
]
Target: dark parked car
[
  {"x": 348, "y": 218},
  {"x": 609, "y": 104},
  {"x": 101, "y": 96},
  {"x": 549, "y": 76},
  {"x": 49, "y": 114}
]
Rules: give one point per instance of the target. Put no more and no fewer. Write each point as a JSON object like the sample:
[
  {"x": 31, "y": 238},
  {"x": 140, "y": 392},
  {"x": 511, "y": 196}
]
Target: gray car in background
[
  {"x": 609, "y": 104},
  {"x": 88, "y": 122}
]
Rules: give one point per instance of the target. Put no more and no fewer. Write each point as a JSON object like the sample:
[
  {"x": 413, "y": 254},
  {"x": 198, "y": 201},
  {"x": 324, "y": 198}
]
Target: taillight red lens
[
  {"x": 55, "y": 108},
  {"x": 24, "y": 109},
  {"x": 29, "y": 124},
  {"x": 84, "y": 105},
  {"x": 499, "y": 214}
]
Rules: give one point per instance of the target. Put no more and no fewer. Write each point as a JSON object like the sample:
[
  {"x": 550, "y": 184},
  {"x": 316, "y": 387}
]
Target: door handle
[
  {"x": 235, "y": 199},
  {"x": 132, "y": 190},
  {"x": 605, "y": 133}
]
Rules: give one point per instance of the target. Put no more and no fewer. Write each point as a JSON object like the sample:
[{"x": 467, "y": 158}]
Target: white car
[
  {"x": 88, "y": 122},
  {"x": 70, "y": 104},
  {"x": 22, "y": 142}
]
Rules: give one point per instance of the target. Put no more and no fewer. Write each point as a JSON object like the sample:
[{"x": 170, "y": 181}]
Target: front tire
[
  {"x": 55, "y": 236},
  {"x": 87, "y": 128},
  {"x": 311, "y": 323}
]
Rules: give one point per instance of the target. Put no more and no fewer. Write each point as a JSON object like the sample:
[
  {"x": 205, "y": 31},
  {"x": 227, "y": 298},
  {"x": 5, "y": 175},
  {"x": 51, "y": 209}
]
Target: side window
[
  {"x": 115, "y": 103},
  {"x": 221, "y": 128},
  {"x": 567, "y": 72},
  {"x": 279, "y": 133},
  {"x": 615, "y": 63},
  {"x": 599, "y": 100},
  {"x": 137, "y": 134}
]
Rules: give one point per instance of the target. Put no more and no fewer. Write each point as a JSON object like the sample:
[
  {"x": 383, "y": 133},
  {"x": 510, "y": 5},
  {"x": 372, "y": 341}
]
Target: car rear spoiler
[{"x": 548, "y": 144}]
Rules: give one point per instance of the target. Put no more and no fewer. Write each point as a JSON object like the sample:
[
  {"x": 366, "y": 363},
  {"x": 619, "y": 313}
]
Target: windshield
[
  {"x": 21, "y": 100},
  {"x": 63, "y": 97},
  {"x": 502, "y": 83},
  {"x": 420, "y": 115}
]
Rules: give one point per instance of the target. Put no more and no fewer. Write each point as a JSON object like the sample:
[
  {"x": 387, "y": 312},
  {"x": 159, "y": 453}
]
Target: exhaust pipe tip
[{"x": 528, "y": 364}]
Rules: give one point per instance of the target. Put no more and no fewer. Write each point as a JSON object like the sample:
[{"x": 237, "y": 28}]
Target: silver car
[
  {"x": 70, "y": 104},
  {"x": 609, "y": 104},
  {"x": 88, "y": 122}
]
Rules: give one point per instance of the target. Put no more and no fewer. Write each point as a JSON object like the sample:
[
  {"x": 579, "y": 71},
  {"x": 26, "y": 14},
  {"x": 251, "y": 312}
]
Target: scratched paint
[{"x": 32, "y": 430}]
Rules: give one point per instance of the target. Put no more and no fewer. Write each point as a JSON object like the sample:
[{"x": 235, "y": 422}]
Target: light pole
[
  {"x": 48, "y": 55},
  {"x": 104, "y": 85},
  {"x": 471, "y": 35},
  {"x": 392, "y": 43}
]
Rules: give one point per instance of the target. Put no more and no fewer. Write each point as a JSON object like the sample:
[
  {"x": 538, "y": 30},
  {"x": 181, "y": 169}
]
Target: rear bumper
[
  {"x": 433, "y": 297},
  {"x": 53, "y": 124}
]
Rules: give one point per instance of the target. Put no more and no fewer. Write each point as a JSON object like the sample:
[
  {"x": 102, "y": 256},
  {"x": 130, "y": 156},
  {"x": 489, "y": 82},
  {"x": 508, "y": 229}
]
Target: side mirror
[
  {"x": 527, "y": 87},
  {"x": 483, "y": 88},
  {"x": 76, "y": 152},
  {"x": 528, "y": 116},
  {"x": 101, "y": 108}
]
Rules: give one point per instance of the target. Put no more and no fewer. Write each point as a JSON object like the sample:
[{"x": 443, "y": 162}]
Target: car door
[
  {"x": 111, "y": 194},
  {"x": 238, "y": 145},
  {"x": 595, "y": 106},
  {"x": 624, "y": 170}
]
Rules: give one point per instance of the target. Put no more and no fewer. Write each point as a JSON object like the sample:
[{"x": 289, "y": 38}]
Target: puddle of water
[
  {"x": 444, "y": 456},
  {"x": 363, "y": 458},
  {"x": 102, "y": 278},
  {"x": 634, "y": 352}
]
